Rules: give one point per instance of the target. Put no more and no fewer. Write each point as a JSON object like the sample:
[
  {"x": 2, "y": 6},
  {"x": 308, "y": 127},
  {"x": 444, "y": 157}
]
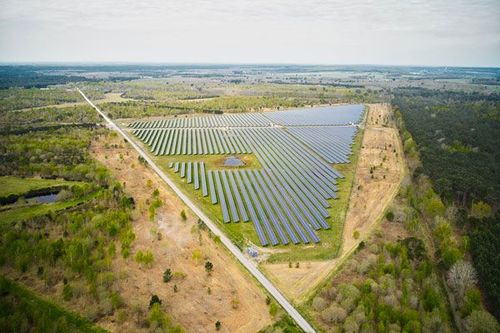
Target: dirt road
[{"x": 379, "y": 172}]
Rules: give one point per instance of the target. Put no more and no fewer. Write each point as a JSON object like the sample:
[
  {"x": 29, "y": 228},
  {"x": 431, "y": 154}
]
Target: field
[{"x": 18, "y": 186}]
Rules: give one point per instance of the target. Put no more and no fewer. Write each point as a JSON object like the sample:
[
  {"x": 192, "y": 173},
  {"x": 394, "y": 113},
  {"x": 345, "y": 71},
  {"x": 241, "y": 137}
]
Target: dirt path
[
  {"x": 234, "y": 298},
  {"x": 379, "y": 172}
]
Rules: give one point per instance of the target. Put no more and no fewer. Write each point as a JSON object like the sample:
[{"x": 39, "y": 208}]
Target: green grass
[
  {"x": 18, "y": 303},
  {"x": 18, "y": 186},
  {"x": 213, "y": 162},
  {"x": 24, "y": 213}
]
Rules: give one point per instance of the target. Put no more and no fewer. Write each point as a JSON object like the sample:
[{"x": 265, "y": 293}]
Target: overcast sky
[{"x": 434, "y": 32}]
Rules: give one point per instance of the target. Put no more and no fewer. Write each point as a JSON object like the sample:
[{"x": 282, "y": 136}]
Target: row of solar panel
[
  {"x": 331, "y": 143},
  {"x": 317, "y": 116},
  {"x": 225, "y": 120},
  {"x": 276, "y": 210},
  {"x": 201, "y": 141}
]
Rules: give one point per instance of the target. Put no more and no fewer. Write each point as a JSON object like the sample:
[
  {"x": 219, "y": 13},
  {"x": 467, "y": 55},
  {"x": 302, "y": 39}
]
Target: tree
[
  {"x": 167, "y": 275},
  {"x": 482, "y": 322},
  {"x": 209, "y": 267},
  {"x": 480, "y": 210},
  {"x": 218, "y": 325},
  {"x": 461, "y": 277},
  {"x": 333, "y": 314}
]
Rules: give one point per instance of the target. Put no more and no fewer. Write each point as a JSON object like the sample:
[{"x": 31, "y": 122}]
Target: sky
[{"x": 386, "y": 32}]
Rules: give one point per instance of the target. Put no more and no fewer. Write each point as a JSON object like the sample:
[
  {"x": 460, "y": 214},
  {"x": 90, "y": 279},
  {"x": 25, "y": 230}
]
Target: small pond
[
  {"x": 46, "y": 198},
  {"x": 233, "y": 161}
]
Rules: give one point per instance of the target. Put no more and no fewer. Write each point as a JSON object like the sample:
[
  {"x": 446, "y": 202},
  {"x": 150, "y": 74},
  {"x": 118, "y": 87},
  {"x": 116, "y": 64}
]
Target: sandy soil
[
  {"x": 235, "y": 299},
  {"x": 381, "y": 148}
]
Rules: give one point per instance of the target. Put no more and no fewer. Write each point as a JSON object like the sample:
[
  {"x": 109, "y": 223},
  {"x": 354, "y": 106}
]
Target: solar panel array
[
  {"x": 287, "y": 200},
  {"x": 202, "y": 141},
  {"x": 322, "y": 115},
  {"x": 333, "y": 143}
]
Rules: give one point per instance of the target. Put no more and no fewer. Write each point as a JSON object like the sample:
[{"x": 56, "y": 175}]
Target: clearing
[
  {"x": 380, "y": 169},
  {"x": 229, "y": 294}
]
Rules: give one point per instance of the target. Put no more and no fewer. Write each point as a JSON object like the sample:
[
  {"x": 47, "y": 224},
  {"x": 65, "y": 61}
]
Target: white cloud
[{"x": 388, "y": 32}]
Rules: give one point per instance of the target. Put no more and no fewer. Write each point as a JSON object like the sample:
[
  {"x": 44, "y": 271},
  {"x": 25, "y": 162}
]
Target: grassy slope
[
  {"x": 20, "y": 297},
  {"x": 17, "y": 186},
  {"x": 24, "y": 213}
]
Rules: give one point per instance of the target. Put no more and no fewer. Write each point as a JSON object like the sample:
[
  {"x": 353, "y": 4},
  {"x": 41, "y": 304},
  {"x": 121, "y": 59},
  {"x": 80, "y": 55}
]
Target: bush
[
  {"x": 209, "y": 267},
  {"x": 356, "y": 234},
  {"x": 167, "y": 275},
  {"x": 431, "y": 299},
  {"x": 183, "y": 215},
  {"x": 471, "y": 302},
  {"x": 389, "y": 216},
  {"x": 145, "y": 258},
  {"x": 154, "y": 300}
]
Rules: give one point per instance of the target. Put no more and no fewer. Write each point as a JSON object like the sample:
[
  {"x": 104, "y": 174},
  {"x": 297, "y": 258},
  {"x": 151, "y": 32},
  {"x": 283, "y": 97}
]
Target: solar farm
[{"x": 287, "y": 199}]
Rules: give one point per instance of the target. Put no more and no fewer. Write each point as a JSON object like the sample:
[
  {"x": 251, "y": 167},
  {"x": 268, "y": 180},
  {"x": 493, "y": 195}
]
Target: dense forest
[{"x": 457, "y": 136}]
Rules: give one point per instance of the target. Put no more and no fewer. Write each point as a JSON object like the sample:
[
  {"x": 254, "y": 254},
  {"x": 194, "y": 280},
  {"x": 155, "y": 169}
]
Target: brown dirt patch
[
  {"x": 235, "y": 298},
  {"x": 381, "y": 157}
]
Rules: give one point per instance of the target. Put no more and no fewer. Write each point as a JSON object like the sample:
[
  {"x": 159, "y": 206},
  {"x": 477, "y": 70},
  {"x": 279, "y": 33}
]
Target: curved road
[{"x": 249, "y": 265}]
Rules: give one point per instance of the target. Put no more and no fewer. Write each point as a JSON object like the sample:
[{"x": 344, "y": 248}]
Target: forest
[{"x": 457, "y": 135}]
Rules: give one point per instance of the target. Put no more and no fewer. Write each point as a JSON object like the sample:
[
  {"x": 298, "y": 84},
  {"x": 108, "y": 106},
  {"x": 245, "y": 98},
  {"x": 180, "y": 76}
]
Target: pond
[
  {"x": 233, "y": 161},
  {"x": 46, "y": 198}
]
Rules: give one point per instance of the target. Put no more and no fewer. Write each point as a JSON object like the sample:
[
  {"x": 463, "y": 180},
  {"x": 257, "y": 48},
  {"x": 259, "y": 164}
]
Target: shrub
[
  {"x": 209, "y": 267},
  {"x": 145, "y": 258},
  {"x": 355, "y": 234},
  {"x": 431, "y": 299},
  {"x": 154, "y": 300},
  {"x": 183, "y": 215},
  {"x": 389, "y": 216},
  {"x": 471, "y": 302},
  {"x": 67, "y": 292},
  {"x": 167, "y": 275}
]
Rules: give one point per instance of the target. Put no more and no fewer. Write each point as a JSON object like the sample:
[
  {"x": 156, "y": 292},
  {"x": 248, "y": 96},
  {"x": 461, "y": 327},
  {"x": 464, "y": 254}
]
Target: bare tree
[{"x": 461, "y": 277}]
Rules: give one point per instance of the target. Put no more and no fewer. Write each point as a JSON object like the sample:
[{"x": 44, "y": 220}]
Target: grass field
[
  {"x": 18, "y": 186},
  {"x": 24, "y": 213},
  {"x": 18, "y": 303}
]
